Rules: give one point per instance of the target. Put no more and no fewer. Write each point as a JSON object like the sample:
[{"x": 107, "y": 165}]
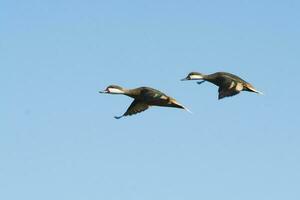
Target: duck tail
[
  {"x": 252, "y": 89},
  {"x": 175, "y": 104}
]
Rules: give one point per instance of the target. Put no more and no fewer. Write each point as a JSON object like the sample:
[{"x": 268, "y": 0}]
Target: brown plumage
[
  {"x": 144, "y": 97},
  {"x": 229, "y": 84}
]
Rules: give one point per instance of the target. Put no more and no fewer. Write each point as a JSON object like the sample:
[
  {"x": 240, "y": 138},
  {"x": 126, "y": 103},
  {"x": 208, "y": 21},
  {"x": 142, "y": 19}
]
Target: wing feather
[
  {"x": 134, "y": 108},
  {"x": 229, "y": 88}
]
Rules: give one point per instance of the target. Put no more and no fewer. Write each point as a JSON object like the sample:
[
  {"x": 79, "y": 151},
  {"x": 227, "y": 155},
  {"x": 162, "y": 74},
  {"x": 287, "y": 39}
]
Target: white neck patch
[
  {"x": 196, "y": 77},
  {"x": 115, "y": 91}
]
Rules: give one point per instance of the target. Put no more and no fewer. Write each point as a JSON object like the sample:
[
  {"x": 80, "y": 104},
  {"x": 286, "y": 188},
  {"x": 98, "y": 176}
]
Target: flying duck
[
  {"x": 144, "y": 97},
  {"x": 229, "y": 84}
]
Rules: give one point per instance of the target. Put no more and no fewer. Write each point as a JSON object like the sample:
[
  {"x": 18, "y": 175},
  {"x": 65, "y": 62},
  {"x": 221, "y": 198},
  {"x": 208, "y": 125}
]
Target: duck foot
[
  {"x": 200, "y": 82},
  {"x": 116, "y": 117}
]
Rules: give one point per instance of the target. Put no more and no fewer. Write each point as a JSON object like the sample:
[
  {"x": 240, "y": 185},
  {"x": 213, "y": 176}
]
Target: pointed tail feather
[
  {"x": 188, "y": 110},
  {"x": 256, "y": 91},
  {"x": 178, "y": 105},
  {"x": 261, "y": 93},
  {"x": 252, "y": 89}
]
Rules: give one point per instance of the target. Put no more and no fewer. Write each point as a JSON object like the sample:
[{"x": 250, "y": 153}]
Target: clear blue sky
[{"x": 59, "y": 139}]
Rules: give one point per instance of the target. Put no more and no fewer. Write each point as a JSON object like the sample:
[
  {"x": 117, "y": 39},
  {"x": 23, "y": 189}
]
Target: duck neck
[
  {"x": 213, "y": 78},
  {"x": 209, "y": 77},
  {"x": 126, "y": 91},
  {"x": 130, "y": 93}
]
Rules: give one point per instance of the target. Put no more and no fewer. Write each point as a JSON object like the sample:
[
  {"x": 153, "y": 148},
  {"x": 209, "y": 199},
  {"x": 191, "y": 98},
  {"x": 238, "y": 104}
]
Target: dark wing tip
[{"x": 220, "y": 97}]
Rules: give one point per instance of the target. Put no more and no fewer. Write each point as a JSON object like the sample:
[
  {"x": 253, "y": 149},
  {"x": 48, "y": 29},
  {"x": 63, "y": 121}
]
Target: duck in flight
[
  {"x": 229, "y": 84},
  {"x": 144, "y": 97}
]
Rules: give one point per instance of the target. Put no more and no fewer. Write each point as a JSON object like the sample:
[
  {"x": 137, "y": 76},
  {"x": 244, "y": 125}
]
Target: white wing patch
[
  {"x": 239, "y": 87},
  {"x": 164, "y": 97},
  {"x": 231, "y": 85}
]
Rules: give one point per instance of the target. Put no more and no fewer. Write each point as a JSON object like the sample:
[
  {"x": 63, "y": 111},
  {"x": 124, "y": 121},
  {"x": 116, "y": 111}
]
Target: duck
[
  {"x": 229, "y": 84},
  {"x": 144, "y": 97}
]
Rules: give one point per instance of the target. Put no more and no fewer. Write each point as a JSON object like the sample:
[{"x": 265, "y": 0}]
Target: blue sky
[{"x": 59, "y": 139}]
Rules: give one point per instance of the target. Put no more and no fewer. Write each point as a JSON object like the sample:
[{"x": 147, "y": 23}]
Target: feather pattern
[
  {"x": 144, "y": 97},
  {"x": 229, "y": 84},
  {"x": 134, "y": 108}
]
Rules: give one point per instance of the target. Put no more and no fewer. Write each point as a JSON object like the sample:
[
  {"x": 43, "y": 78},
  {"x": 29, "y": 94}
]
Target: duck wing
[
  {"x": 153, "y": 94},
  {"x": 226, "y": 75},
  {"x": 229, "y": 88},
  {"x": 135, "y": 107},
  {"x": 241, "y": 83}
]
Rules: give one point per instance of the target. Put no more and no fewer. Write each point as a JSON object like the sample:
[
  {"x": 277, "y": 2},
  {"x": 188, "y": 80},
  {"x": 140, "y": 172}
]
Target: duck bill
[
  {"x": 103, "y": 92},
  {"x": 185, "y": 79}
]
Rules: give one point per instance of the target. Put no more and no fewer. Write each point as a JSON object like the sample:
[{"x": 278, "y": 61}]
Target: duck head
[
  {"x": 113, "y": 89},
  {"x": 194, "y": 76}
]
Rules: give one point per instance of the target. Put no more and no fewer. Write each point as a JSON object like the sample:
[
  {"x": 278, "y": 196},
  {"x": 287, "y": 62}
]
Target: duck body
[
  {"x": 229, "y": 84},
  {"x": 144, "y": 97},
  {"x": 219, "y": 78},
  {"x": 152, "y": 97}
]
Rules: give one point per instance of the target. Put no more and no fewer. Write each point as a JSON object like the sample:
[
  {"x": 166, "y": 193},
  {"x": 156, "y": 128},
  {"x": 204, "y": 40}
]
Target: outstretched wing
[
  {"x": 154, "y": 97},
  {"x": 230, "y": 88},
  {"x": 232, "y": 77},
  {"x": 153, "y": 94},
  {"x": 135, "y": 107}
]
